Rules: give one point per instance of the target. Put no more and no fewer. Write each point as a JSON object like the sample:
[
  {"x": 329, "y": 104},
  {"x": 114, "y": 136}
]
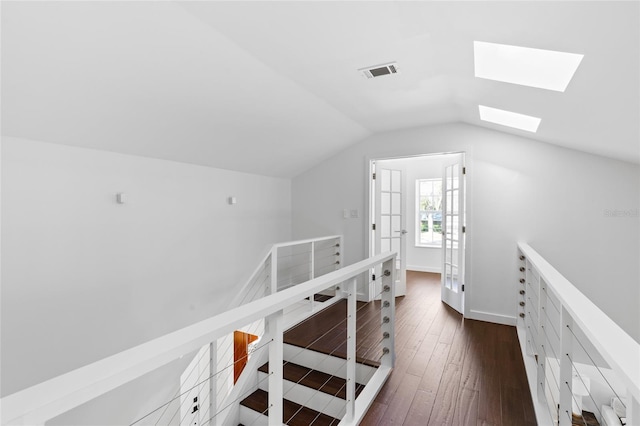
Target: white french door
[
  {"x": 390, "y": 232},
  {"x": 453, "y": 233}
]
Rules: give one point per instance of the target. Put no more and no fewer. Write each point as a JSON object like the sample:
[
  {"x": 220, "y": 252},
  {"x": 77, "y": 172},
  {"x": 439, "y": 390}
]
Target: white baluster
[
  {"x": 312, "y": 271},
  {"x": 274, "y": 270},
  {"x": 351, "y": 348},
  {"x": 566, "y": 370},
  {"x": 274, "y": 324},
  {"x": 542, "y": 358},
  {"x": 633, "y": 410}
]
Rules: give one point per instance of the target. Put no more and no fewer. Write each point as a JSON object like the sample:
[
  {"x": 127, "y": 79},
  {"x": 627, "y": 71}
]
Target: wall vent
[{"x": 380, "y": 70}]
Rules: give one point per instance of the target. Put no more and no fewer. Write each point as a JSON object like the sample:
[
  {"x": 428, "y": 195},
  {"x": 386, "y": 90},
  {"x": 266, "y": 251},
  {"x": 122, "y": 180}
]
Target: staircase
[
  {"x": 309, "y": 377},
  {"x": 314, "y": 386}
]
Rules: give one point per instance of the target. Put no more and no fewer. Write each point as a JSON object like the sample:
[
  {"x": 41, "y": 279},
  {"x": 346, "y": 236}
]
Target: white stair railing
[
  {"x": 581, "y": 366},
  {"x": 281, "y": 266},
  {"x": 42, "y": 402}
]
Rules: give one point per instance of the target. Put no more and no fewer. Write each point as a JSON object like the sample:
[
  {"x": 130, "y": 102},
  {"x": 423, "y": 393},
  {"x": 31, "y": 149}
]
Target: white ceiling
[{"x": 273, "y": 88}]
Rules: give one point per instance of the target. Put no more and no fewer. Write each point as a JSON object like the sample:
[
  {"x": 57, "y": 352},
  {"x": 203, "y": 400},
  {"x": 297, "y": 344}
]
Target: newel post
[
  {"x": 388, "y": 312},
  {"x": 274, "y": 325},
  {"x": 351, "y": 349}
]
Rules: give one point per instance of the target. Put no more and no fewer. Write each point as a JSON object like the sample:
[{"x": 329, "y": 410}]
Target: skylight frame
[
  {"x": 526, "y": 66},
  {"x": 511, "y": 119}
]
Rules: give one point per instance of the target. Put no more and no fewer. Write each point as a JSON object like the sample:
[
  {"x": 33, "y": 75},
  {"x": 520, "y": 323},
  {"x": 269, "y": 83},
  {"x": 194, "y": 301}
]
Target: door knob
[{"x": 404, "y": 231}]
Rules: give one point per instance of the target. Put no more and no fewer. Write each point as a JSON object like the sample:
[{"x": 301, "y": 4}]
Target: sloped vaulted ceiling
[{"x": 273, "y": 87}]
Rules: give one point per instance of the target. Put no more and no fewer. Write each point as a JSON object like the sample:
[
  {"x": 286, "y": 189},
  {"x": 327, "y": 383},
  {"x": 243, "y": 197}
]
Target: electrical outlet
[{"x": 354, "y": 213}]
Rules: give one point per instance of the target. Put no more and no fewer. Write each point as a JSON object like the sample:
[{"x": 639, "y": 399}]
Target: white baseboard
[
  {"x": 491, "y": 317},
  {"x": 436, "y": 270}
]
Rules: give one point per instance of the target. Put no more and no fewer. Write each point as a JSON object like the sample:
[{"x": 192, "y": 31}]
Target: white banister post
[
  {"x": 274, "y": 270},
  {"x": 388, "y": 312},
  {"x": 213, "y": 379},
  {"x": 566, "y": 370},
  {"x": 274, "y": 324},
  {"x": 528, "y": 277},
  {"x": 542, "y": 359},
  {"x": 351, "y": 349},
  {"x": 312, "y": 271},
  {"x": 633, "y": 410},
  {"x": 312, "y": 261}
]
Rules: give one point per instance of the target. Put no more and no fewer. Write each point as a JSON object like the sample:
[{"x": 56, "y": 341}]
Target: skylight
[
  {"x": 508, "y": 118},
  {"x": 544, "y": 69}
]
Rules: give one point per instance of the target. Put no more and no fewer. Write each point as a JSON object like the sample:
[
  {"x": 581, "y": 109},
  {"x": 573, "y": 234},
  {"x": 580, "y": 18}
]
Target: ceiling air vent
[{"x": 380, "y": 70}]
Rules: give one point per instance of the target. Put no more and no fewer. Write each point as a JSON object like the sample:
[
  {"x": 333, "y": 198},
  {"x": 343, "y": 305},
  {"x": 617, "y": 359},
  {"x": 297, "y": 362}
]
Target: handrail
[
  {"x": 270, "y": 251},
  {"x": 60, "y": 394},
  {"x": 306, "y": 241},
  {"x": 618, "y": 349}
]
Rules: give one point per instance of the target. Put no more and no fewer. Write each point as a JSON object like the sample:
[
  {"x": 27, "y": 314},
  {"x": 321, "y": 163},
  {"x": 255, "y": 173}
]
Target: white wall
[
  {"x": 84, "y": 277},
  {"x": 419, "y": 258},
  {"x": 518, "y": 189}
]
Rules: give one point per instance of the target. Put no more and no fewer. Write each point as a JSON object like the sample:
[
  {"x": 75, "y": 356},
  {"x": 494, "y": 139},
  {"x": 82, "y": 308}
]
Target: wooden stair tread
[
  {"x": 294, "y": 414},
  {"x": 326, "y": 332},
  {"x": 323, "y": 382}
]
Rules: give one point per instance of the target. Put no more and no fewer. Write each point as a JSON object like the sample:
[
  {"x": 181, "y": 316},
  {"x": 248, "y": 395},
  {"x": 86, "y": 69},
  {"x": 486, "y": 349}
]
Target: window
[{"x": 429, "y": 212}]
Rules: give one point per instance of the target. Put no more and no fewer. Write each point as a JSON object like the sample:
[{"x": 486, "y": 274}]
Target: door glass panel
[
  {"x": 448, "y": 282},
  {"x": 386, "y": 180},
  {"x": 395, "y": 226},
  {"x": 385, "y": 244},
  {"x": 454, "y": 278},
  {"x": 395, "y": 203},
  {"x": 456, "y": 195},
  {"x": 447, "y": 255},
  {"x": 385, "y": 229},
  {"x": 385, "y": 201},
  {"x": 395, "y": 245},
  {"x": 454, "y": 184},
  {"x": 454, "y": 227},
  {"x": 395, "y": 180}
]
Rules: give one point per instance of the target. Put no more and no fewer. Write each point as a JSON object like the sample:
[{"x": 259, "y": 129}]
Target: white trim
[
  {"x": 491, "y": 317},
  {"x": 433, "y": 269}
]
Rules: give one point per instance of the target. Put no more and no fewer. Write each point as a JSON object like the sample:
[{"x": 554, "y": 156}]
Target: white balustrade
[
  {"x": 579, "y": 362},
  {"x": 44, "y": 401}
]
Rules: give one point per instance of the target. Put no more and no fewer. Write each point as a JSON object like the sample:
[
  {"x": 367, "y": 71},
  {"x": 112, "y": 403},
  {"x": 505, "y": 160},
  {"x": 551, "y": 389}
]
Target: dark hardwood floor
[{"x": 448, "y": 371}]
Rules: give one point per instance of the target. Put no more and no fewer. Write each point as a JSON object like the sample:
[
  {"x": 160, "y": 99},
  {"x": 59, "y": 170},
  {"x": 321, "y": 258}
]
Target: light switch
[
  {"x": 345, "y": 213},
  {"x": 232, "y": 200},
  {"x": 121, "y": 198},
  {"x": 354, "y": 213}
]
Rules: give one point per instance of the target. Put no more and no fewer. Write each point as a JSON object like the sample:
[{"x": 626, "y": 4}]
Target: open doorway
[{"x": 417, "y": 208}]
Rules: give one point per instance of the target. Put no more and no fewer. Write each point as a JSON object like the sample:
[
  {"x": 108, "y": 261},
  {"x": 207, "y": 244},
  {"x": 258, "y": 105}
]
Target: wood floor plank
[
  {"x": 399, "y": 406},
  {"x": 376, "y": 411},
  {"x": 446, "y": 398},
  {"x": 418, "y": 364},
  {"x": 420, "y": 408},
  {"x": 395, "y": 379},
  {"x": 466, "y": 411},
  {"x": 435, "y": 368}
]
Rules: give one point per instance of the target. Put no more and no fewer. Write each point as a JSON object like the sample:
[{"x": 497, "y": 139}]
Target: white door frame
[{"x": 369, "y": 202}]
